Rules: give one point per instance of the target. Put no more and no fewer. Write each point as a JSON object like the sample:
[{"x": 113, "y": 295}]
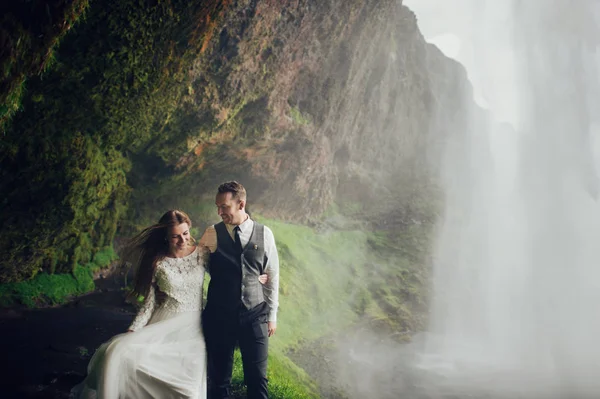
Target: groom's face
[{"x": 231, "y": 210}]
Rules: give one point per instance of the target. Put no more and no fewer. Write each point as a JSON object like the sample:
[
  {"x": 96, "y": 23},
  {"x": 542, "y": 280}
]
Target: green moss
[
  {"x": 31, "y": 34},
  {"x": 298, "y": 117},
  {"x": 46, "y": 289},
  {"x": 103, "y": 258},
  {"x": 116, "y": 85},
  {"x": 55, "y": 289}
]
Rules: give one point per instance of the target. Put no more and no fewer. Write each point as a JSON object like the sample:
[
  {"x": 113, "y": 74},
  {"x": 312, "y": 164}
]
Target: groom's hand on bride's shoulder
[{"x": 271, "y": 327}]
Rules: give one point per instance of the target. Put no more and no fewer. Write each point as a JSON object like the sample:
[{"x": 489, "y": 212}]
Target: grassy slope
[
  {"x": 330, "y": 279},
  {"x": 327, "y": 282}
]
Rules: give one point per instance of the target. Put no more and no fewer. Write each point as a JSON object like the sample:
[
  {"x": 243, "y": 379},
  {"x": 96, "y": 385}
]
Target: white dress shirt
[{"x": 271, "y": 267}]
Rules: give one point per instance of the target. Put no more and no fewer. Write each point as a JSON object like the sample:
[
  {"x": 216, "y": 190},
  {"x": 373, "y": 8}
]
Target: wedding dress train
[{"x": 165, "y": 355}]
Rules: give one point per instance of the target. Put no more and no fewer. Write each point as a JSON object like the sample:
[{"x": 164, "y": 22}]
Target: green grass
[
  {"x": 55, "y": 289},
  {"x": 320, "y": 274},
  {"x": 47, "y": 289},
  {"x": 328, "y": 281},
  {"x": 286, "y": 380}
]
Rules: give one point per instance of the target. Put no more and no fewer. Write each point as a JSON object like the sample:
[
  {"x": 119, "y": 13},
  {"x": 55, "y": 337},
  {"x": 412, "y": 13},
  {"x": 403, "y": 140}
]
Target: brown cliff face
[
  {"x": 306, "y": 102},
  {"x": 322, "y": 100}
]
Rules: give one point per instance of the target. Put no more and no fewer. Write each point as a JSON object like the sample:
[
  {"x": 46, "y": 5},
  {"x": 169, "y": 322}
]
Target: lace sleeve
[{"x": 145, "y": 312}]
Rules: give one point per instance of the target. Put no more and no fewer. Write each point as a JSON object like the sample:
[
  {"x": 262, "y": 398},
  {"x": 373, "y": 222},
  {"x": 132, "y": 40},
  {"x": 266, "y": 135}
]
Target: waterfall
[{"x": 516, "y": 300}]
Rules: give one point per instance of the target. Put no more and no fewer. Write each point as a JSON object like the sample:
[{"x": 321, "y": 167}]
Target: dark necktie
[{"x": 237, "y": 241}]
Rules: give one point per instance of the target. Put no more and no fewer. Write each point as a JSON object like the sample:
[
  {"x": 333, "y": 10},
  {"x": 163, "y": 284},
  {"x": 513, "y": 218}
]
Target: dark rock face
[
  {"x": 331, "y": 99},
  {"x": 305, "y": 102}
]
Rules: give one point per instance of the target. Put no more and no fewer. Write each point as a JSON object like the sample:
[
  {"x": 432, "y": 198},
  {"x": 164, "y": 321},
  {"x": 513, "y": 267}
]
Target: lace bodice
[{"x": 181, "y": 279}]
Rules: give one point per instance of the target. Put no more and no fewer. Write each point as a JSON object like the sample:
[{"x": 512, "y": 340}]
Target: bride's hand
[{"x": 263, "y": 278}]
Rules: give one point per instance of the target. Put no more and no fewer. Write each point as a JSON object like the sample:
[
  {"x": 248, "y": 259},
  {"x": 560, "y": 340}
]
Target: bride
[{"x": 162, "y": 355}]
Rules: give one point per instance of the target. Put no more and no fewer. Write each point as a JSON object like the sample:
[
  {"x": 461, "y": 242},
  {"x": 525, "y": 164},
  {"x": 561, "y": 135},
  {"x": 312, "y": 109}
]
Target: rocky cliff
[
  {"x": 309, "y": 103},
  {"x": 312, "y": 101}
]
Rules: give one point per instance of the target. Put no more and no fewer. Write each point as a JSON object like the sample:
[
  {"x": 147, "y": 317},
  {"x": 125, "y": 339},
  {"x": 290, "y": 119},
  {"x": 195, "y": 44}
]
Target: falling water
[
  {"x": 516, "y": 306},
  {"x": 516, "y": 312}
]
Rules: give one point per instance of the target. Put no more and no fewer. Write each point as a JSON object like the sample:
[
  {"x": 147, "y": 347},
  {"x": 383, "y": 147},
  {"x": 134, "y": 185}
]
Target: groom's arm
[
  {"x": 271, "y": 288},
  {"x": 209, "y": 240}
]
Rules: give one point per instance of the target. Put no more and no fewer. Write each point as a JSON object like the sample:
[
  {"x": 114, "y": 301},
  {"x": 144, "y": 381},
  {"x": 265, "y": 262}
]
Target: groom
[{"x": 239, "y": 309}]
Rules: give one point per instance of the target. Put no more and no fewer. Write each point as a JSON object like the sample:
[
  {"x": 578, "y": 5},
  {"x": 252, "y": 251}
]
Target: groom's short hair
[{"x": 237, "y": 191}]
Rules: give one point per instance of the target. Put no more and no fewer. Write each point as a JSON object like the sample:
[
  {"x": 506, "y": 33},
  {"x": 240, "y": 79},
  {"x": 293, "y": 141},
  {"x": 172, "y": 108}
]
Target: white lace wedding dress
[{"x": 165, "y": 355}]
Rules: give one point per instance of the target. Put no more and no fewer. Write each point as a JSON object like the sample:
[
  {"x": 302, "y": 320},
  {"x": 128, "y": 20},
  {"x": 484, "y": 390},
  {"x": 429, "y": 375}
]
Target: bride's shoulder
[
  {"x": 159, "y": 272},
  {"x": 161, "y": 264}
]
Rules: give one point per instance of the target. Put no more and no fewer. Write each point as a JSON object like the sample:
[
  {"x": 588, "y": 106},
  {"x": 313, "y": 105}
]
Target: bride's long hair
[{"x": 149, "y": 247}]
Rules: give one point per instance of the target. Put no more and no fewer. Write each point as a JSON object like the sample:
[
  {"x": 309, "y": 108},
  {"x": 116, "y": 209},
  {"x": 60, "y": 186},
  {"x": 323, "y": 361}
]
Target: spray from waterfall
[{"x": 517, "y": 282}]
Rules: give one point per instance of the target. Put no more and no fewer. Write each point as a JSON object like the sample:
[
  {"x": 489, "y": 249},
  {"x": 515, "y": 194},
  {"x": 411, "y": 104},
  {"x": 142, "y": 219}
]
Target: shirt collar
[{"x": 245, "y": 226}]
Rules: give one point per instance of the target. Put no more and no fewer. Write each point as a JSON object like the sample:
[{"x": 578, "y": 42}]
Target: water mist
[{"x": 517, "y": 270}]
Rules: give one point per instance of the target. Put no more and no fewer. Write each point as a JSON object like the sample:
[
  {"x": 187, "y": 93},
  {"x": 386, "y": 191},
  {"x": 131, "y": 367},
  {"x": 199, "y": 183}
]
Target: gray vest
[{"x": 234, "y": 276}]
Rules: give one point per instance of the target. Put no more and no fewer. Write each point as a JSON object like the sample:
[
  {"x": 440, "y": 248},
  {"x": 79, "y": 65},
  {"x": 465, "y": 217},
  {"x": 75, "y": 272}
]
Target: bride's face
[{"x": 179, "y": 237}]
